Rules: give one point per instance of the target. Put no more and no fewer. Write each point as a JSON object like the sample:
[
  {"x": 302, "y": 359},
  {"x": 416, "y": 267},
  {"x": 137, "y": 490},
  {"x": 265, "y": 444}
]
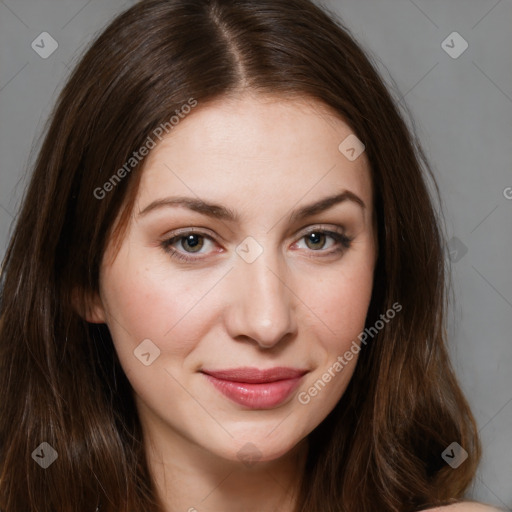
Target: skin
[
  {"x": 466, "y": 507},
  {"x": 296, "y": 305}
]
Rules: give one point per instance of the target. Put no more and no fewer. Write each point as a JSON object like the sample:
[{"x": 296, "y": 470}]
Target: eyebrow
[{"x": 221, "y": 212}]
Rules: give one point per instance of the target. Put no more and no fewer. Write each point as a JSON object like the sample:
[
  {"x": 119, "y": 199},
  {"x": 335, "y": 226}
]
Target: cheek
[
  {"x": 343, "y": 298},
  {"x": 144, "y": 305},
  {"x": 169, "y": 308}
]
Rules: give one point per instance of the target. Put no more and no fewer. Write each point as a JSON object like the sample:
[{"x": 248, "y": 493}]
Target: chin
[{"x": 262, "y": 446}]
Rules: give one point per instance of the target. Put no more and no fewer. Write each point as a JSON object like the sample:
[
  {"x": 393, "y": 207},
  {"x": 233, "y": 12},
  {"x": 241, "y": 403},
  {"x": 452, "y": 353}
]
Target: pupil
[
  {"x": 315, "y": 238},
  {"x": 193, "y": 242}
]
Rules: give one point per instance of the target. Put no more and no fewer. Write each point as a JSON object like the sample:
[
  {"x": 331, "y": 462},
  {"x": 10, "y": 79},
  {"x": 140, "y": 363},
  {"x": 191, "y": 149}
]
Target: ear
[{"x": 89, "y": 306}]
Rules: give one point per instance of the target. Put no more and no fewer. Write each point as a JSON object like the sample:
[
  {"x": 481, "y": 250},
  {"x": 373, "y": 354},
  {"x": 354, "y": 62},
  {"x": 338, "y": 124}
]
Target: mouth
[{"x": 255, "y": 388}]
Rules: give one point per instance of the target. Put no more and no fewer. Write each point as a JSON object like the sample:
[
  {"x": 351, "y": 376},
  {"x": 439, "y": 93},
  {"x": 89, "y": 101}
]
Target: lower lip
[{"x": 256, "y": 396}]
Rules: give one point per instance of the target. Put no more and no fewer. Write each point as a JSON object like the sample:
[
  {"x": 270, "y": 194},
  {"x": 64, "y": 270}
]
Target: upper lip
[{"x": 251, "y": 375}]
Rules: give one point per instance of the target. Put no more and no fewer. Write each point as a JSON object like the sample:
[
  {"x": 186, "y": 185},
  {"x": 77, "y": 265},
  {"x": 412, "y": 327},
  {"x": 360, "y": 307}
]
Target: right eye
[{"x": 189, "y": 242}]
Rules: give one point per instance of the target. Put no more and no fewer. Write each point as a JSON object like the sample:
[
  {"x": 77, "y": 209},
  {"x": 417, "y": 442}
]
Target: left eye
[
  {"x": 192, "y": 242},
  {"x": 316, "y": 240}
]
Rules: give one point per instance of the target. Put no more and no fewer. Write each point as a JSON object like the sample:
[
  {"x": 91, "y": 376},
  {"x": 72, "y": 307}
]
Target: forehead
[{"x": 254, "y": 148}]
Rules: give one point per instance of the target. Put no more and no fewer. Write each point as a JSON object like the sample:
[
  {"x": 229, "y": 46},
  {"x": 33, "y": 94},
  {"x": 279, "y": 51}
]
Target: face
[{"x": 244, "y": 277}]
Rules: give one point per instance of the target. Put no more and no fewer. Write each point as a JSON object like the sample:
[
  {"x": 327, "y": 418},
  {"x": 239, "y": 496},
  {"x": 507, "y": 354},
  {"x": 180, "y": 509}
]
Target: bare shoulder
[{"x": 467, "y": 506}]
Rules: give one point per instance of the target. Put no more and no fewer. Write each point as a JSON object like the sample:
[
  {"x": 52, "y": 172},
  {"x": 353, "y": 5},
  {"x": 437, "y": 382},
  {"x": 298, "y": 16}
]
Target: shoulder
[{"x": 467, "y": 506}]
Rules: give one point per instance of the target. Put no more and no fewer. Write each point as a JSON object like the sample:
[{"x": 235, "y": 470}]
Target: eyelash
[{"x": 344, "y": 242}]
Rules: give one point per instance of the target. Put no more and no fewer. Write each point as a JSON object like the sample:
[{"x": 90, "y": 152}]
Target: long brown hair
[{"x": 60, "y": 379}]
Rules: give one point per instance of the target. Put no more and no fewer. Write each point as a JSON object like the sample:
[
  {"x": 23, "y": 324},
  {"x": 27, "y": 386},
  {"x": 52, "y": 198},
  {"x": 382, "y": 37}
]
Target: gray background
[{"x": 462, "y": 108}]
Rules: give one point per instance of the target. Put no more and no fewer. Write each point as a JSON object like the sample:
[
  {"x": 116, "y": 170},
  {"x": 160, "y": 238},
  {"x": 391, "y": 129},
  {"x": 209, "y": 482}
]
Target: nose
[{"x": 262, "y": 305}]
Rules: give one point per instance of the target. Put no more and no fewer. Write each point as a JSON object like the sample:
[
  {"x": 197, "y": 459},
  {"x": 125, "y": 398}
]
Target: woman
[{"x": 225, "y": 289}]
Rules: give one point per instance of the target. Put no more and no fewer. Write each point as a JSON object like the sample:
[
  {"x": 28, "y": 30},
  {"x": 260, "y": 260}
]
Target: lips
[{"x": 255, "y": 388}]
